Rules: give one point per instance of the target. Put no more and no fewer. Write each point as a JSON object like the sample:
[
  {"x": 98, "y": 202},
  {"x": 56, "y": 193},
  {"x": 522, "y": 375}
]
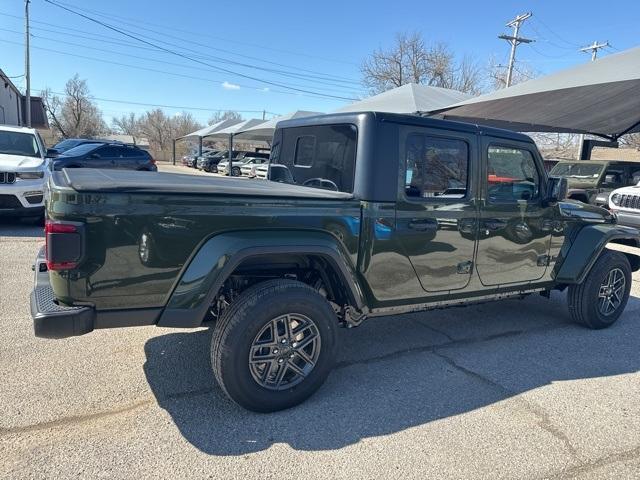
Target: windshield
[
  {"x": 578, "y": 170},
  {"x": 17, "y": 143},
  {"x": 65, "y": 145},
  {"x": 81, "y": 149}
]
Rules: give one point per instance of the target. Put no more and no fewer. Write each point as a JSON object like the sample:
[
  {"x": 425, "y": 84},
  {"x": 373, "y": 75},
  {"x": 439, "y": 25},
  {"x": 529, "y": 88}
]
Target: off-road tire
[
  {"x": 583, "y": 298},
  {"x": 238, "y": 326}
]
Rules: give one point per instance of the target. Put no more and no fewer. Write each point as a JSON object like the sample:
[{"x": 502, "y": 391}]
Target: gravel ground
[{"x": 504, "y": 390}]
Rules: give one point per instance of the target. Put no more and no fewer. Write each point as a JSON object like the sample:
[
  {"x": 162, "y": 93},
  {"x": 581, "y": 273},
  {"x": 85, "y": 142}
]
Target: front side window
[
  {"x": 436, "y": 167},
  {"x": 512, "y": 175}
]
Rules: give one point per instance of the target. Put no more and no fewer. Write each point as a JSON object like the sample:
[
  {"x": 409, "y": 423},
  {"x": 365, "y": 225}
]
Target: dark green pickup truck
[{"x": 364, "y": 215}]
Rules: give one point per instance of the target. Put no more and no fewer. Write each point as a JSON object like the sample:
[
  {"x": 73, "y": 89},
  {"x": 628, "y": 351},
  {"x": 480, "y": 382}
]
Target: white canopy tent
[
  {"x": 600, "y": 98},
  {"x": 205, "y": 132},
  {"x": 409, "y": 98},
  {"x": 264, "y": 131}
]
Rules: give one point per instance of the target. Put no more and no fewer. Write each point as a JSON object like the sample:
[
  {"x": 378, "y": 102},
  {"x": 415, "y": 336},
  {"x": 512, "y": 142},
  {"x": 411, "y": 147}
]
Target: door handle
[
  {"x": 422, "y": 225},
  {"x": 494, "y": 224}
]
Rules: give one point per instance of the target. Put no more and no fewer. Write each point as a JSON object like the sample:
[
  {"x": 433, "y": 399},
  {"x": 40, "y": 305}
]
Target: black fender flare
[
  {"x": 579, "y": 258},
  {"x": 217, "y": 258}
]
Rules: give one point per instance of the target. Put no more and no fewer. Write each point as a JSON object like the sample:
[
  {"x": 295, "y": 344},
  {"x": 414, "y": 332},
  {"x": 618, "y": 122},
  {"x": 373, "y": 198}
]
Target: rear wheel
[
  {"x": 235, "y": 172},
  {"x": 274, "y": 346},
  {"x": 600, "y": 300}
]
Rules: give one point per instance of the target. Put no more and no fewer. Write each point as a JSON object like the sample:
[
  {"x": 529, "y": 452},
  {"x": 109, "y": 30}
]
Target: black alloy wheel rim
[
  {"x": 611, "y": 292},
  {"x": 285, "y": 351}
]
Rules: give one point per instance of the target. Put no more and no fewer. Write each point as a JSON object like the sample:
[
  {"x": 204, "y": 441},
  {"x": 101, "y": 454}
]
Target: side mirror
[
  {"x": 556, "y": 189},
  {"x": 52, "y": 153}
]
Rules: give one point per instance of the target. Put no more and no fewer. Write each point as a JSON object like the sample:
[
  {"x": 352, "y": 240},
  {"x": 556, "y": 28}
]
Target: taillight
[{"x": 63, "y": 245}]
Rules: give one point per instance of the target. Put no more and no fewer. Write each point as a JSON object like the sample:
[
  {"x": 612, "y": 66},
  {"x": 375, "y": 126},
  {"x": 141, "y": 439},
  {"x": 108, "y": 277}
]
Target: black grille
[
  {"x": 9, "y": 201},
  {"x": 7, "y": 177},
  {"x": 630, "y": 201}
]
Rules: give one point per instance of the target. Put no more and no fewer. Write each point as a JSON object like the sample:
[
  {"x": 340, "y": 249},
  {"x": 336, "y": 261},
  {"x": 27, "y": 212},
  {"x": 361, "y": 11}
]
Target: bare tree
[
  {"x": 128, "y": 125},
  {"x": 160, "y": 129},
  {"x": 410, "y": 60},
  {"x": 227, "y": 115},
  {"x": 631, "y": 140},
  {"x": 75, "y": 115},
  {"x": 497, "y": 75}
]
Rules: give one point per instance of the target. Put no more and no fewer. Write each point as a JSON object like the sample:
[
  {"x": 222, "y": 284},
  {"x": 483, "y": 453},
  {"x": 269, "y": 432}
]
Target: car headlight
[
  {"x": 30, "y": 175},
  {"x": 615, "y": 199}
]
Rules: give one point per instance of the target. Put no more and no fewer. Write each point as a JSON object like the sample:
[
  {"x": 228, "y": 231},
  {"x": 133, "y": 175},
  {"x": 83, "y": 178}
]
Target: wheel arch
[
  {"x": 219, "y": 257},
  {"x": 590, "y": 242}
]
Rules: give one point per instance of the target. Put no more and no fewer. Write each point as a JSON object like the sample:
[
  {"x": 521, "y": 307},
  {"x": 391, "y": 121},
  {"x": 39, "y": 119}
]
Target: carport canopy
[
  {"x": 409, "y": 98},
  {"x": 211, "y": 129},
  {"x": 264, "y": 131},
  {"x": 600, "y": 98}
]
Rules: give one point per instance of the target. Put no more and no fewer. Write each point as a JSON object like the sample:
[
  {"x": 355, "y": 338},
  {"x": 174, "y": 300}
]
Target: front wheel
[
  {"x": 600, "y": 300},
  {"x": 274, "y": 346},
  {"x": 235, "y": 172}
]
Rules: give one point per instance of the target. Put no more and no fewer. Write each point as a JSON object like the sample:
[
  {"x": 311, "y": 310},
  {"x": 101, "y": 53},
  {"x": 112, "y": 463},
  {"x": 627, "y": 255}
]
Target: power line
[
  {"x": 154, "y": 70},
  {"x": 514, "y": 40},
  {"x": 553, "y": 32},
  {"x": 177, "y": 107},
  {"x": 146, "y": 58},
  {"x": 135, "y": 37},
  {"x": 315, "y": 77},
  {"x": 138, "y": 22}
]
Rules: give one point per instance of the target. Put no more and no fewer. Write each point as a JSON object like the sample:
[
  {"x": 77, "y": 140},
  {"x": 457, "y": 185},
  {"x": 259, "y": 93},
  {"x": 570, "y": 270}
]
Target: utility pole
[
  {"x": 593, "y": 48},
  {"x": 514, "y": 40},
  {"x": 27, "y": 68},
  {"x": 264, "y": 114}
]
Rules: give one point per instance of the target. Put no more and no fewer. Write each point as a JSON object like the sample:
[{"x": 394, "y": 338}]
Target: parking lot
[{"x": 503, "y": 390}]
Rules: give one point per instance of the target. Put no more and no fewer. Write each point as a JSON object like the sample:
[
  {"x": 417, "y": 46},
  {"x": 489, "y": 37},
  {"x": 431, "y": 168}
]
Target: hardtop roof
[{"x": 408, "y": 119}]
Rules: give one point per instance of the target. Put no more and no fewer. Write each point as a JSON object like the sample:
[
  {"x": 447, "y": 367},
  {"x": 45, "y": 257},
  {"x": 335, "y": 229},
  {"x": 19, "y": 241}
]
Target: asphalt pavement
[{"x": 504, "y": 390}]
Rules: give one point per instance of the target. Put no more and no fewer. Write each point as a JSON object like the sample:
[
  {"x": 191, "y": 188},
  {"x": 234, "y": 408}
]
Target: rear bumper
[{"x": 51, "y": 320}]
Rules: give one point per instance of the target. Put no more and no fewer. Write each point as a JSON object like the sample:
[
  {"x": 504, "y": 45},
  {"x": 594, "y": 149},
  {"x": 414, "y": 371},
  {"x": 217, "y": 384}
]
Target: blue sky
[{"x": 317, "y": 45}]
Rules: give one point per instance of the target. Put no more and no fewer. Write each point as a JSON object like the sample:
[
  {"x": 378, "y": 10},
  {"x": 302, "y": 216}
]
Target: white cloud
[
  {"x": 230, "y": 86},
  {"x": 266, "y": 89}
]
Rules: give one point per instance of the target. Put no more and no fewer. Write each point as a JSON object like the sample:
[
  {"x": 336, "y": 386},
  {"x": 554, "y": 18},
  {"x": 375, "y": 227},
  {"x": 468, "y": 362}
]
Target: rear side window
[
  {"x": 322, "y": 156},
  {"x": 436, "y": 167}
]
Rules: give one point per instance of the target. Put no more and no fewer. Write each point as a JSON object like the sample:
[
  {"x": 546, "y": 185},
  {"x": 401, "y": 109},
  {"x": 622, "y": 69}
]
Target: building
[{"x": 12, "y": 106}]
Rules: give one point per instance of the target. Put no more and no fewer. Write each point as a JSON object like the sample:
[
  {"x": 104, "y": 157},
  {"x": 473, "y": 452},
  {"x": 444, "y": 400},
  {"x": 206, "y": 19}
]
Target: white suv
[
  {"x": 23, "y": 168},
  {"x": 625, "y": 202}
]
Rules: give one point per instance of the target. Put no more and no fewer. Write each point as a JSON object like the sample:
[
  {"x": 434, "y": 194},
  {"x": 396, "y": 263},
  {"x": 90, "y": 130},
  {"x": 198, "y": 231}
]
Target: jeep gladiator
[{"x": 378, "y": 214}]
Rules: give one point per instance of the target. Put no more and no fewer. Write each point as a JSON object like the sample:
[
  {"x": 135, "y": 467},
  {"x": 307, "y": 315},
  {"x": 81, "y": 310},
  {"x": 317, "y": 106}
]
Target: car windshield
[
  {"x": 67, "y": 144},
  {"x": 18, "y": 143},
  {"x": 577, "y": 170},
  {"x": 81, "y": 149}
]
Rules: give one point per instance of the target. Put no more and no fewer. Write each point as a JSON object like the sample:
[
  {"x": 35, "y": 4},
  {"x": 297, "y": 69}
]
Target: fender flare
[
  {"x": 589, "y": 243},
  {"x": 218, "y": 256}
]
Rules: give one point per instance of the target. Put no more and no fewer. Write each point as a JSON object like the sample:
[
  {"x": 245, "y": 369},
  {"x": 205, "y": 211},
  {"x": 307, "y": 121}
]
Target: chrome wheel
[
  {"x": 611, "y": 292},
  {"x": 284, "y": 352}
]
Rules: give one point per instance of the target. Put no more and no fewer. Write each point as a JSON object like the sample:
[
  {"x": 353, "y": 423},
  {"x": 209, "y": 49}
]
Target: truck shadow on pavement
[
  {"x": 21, "y": 228},
  {"x": 396, "y": 373}
]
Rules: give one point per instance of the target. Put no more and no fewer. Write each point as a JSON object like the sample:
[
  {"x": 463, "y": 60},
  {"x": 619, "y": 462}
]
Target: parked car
[
  {"x": 238, "y": 164},
  {"x": 246, "y": 169},
  {"x": 591, "y": 181},
  {"x": 275, "y": 172},
  {"x": 105, "y": 155},
  {"x": 208, "y": 162},
  {"x": 280, "y": 265},
  {"x": 625, "y": 203},
  {"x": 23, "y": 171},
  {"x": 69, "y": 143}
]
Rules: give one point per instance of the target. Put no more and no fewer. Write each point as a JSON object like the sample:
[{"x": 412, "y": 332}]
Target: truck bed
[{"x": 127, "y": 181}]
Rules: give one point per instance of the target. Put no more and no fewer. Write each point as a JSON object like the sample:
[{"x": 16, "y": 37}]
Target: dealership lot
[{"x": 509, "y": 389}]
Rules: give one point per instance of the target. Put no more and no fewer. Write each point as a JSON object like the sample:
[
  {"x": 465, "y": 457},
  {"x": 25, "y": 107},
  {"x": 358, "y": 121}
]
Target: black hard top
[
  {"x": 407, "y": 119},
  {"x": 86, "y": 180}
]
